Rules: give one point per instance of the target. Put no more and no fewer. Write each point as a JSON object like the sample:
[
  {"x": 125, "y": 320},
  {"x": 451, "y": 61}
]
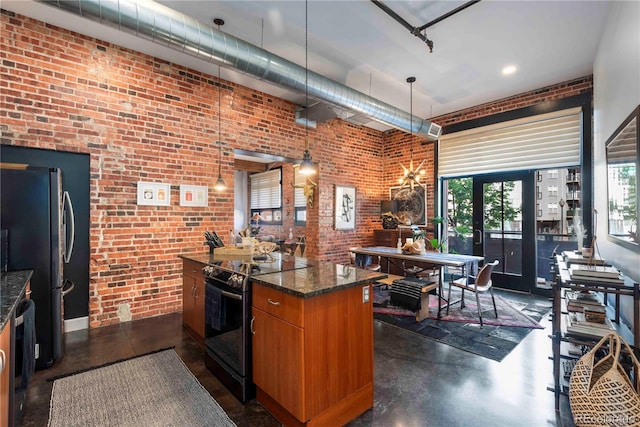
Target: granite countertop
[
  {"x": 318, "y": 278},
  {"x": 201, "y": 257},
  {"x": 12, "y": 286}
]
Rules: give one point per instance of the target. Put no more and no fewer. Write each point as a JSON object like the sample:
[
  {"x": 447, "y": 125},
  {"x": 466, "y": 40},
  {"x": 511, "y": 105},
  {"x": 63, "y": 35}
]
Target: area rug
[
  {"x": 461, "y": 329},
  {"x": 152, "y": 390}
]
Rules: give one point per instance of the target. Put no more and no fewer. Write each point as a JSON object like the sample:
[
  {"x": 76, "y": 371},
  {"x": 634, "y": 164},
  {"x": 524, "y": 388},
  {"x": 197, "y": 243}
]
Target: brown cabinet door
[
  {"x": 278, "y": 361},
  {"x": 5, "y": 364},
  {"x": 188, "y": 305},
  {"x": 198, "y": 307}
]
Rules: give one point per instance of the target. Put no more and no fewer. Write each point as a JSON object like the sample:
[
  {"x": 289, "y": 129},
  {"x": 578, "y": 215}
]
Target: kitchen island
[{"x": 312, "y": 338}]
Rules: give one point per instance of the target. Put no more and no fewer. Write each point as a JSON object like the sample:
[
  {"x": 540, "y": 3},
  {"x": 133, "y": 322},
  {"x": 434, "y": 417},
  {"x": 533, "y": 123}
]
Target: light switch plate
[{"x": 365, "y": 294}]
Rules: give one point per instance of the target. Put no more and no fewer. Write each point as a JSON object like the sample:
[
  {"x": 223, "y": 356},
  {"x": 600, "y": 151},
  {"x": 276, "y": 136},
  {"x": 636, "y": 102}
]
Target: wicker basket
[{"x": 601, "y": 393}]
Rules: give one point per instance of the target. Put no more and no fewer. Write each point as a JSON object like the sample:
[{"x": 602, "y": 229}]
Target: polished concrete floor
[{"x": 418, "y": 382}]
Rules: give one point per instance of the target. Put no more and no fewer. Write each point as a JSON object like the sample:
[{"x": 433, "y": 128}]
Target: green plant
[{"x": 438, "y": 245}]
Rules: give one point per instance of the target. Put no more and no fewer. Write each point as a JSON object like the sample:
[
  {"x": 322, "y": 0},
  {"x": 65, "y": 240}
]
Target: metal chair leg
[
  {"x": 479, "y": 311},
  {"x": 448, "y": 298},
  {"x": 495, "y": 310}
]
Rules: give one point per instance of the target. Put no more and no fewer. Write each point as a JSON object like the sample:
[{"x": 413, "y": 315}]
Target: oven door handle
[{"x": 232, "y": 296}]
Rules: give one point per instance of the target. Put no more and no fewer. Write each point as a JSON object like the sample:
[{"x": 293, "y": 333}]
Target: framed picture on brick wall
[
  {"x": 154, "y": 194},
  {"x": 345, "y": 211},
  {"x": 411, "y": 204},
  {"x": 194, "y": 195}
]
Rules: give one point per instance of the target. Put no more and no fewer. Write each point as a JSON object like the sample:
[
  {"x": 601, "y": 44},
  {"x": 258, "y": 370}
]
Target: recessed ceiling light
[{"x": 509, "y": 69}]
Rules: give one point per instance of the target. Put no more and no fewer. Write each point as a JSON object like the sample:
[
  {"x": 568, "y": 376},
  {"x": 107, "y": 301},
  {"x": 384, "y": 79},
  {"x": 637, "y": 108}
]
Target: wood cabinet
[
  {"x": 5, "y": 374},
  {"x": 193, "y": 298},
  {"x": 313, "y": 357}
]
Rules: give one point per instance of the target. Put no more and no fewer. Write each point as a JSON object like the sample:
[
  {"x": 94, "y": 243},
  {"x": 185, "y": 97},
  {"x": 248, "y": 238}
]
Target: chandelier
[{"x": 410, "y": 176}]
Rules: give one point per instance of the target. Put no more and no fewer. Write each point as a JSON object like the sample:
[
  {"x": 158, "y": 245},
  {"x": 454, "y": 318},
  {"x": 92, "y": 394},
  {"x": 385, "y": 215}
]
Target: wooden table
[{"x": 468, "y": 264}]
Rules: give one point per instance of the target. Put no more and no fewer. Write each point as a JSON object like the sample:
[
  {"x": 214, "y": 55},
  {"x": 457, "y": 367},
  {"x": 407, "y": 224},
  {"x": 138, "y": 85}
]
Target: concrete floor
[{"x": 418, "y": 382}]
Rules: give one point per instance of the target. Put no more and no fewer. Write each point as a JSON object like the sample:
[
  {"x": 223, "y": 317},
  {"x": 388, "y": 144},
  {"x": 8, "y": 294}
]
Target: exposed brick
[{"x": 144, "y": 119}]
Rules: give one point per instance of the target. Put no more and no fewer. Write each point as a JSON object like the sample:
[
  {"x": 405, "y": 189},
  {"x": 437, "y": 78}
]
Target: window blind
[
  {"x": 537, "y": 142},
  {"x": 299, "y": 200},
  {"x": 266, "y": 192}
]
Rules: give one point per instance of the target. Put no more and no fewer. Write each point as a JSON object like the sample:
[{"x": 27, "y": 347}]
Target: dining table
[{"x": 465, "y": 264}]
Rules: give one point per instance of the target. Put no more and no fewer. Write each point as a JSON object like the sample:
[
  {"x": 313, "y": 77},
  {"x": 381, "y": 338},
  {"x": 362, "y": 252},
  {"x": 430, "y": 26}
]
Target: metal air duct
[{"x": 167, "y": 27}]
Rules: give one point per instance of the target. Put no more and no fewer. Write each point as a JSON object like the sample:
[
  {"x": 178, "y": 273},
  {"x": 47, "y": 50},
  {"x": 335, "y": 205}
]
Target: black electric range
[{"x": 228, "y": 316}]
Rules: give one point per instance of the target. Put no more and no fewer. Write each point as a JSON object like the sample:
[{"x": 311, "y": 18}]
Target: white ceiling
[{"x": 357, "y": 44}]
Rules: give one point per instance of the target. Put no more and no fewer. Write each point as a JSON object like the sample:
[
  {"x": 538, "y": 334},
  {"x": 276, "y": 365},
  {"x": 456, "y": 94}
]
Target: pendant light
[
  {"x": 219, "y": 185},
  {"x": 410, "y": 176},
  {"x": 306, "y": 167}
]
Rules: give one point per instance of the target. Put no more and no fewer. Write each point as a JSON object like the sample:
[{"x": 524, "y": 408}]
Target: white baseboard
[{"x": 76, "y": 324}]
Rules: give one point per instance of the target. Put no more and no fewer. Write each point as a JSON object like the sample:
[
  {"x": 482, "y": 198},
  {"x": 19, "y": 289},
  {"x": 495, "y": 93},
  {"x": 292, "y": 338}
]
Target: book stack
[
  {"x": 572, "y": 257},
  {"x": 577, "y": 301},
  {"x": 594, "y": 314},
  {"x": 595, "y": 274},
  {"x": 577, "y": 325}
]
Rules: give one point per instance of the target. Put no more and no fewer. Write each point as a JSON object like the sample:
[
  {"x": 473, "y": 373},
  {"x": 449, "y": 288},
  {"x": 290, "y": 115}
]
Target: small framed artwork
[
  {"x": 345, "y": 208},
  {"x": 194, "y": 195},
  {"x": 277, "y": 216},
  {"x": 154, "y": 194}
]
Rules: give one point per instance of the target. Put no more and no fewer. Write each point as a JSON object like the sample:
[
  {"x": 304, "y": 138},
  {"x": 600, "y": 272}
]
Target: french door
[{"x": 504, "y": 227}]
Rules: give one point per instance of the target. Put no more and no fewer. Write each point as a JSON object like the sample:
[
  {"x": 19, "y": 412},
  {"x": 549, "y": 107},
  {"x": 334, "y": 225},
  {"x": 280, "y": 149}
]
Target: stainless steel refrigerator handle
[
  {"x": 69, "y": 289},
  {"x": 69, "y": 251}
]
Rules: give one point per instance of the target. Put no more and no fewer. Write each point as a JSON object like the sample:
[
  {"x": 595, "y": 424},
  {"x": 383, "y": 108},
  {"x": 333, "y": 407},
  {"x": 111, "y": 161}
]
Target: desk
[{"x": 467, "y": 263}]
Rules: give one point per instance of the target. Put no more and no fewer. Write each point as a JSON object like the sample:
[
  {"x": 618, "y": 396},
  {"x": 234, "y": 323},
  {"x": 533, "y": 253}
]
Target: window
[
  {"x": 266, "y": 191},
  {"x": 552, "y": 173},
  {"x": 539, "y": 176},
  {"x": 538, "y": 192},
  {"x": 538, "y": 210},
  {"x": 553, "y": 190},
  {"x": 552, "y": 208},
  {"x": 299, "y": 199}
]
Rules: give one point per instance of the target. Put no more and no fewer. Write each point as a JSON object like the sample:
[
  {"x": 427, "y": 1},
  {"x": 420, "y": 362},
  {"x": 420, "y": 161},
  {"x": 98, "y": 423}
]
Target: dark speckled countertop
[
  {"x": 12, "y": 286},
  {"x": 318, "y": 278}
]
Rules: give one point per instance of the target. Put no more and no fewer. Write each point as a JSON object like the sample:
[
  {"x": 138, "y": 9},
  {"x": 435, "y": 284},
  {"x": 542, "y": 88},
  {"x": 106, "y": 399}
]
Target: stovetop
[{"x": 274, "y": 263}]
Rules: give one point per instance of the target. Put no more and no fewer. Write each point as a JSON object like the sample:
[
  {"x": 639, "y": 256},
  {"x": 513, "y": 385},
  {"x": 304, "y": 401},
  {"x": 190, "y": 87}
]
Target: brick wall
[
  {"x": 526, "y": 99},
  {"x": 143, "y": 119}
]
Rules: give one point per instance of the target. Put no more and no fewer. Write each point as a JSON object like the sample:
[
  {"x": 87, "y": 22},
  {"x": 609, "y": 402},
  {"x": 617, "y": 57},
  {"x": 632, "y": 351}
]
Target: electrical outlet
[{"x": 365, "y": 294}]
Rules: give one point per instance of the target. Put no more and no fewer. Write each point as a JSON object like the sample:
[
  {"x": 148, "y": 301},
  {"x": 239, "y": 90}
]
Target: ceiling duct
[{"x": 167, "y": 27}]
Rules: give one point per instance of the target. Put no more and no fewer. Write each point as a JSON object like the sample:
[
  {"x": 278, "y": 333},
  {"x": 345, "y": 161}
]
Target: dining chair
[
  {"x": 476, "y": 284},
  {"x": 371, "y": 267}
]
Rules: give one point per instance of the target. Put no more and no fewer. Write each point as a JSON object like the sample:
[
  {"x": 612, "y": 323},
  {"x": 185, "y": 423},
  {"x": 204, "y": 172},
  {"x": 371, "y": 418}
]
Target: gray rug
[{"x": 153, "y": 390}]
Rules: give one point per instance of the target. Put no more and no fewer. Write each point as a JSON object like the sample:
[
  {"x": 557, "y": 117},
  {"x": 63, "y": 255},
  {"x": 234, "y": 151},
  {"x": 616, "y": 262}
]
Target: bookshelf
[{"x": 570, "y": 327}]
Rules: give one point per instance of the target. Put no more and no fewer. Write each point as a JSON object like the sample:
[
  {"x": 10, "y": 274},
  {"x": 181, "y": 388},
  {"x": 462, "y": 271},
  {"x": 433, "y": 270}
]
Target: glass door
[{"x": 504, "y": 227}]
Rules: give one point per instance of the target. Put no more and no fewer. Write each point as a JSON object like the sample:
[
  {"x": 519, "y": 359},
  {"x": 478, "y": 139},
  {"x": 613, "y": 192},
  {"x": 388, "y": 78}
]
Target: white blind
[
  {"x": 266, "y": 190},
  {"x": 299, "y": 201},
  {"x": 538, "y": 142}
]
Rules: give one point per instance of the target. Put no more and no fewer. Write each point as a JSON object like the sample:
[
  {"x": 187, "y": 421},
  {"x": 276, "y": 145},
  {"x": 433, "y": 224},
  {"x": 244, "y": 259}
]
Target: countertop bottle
[
  {"x": 290, "y": 234},
  {"x": 232, "y": 238},
  {"x": 399, "y": 246}
]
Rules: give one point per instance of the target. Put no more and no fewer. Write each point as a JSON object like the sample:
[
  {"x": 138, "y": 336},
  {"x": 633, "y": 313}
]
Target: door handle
[
  {"x": 270, "y": 301},
  {"x": 479, "y": 241},
  {"x": 69, "y": 289},
  {"x": 3, "y": 358},
  {"x": 69, "y": 249},
  {"x": 253, "y": 332}
]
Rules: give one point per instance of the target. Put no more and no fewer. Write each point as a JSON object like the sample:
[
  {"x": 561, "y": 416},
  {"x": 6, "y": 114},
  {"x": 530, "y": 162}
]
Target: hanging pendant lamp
[
  {"x": 219, "y": 185},
  {"x": 306, "y": 167},
  {"x": 411, "y": 177}
]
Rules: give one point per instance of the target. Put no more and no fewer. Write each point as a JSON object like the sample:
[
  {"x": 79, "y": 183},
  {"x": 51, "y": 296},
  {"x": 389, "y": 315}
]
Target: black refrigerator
[{"x": 38, "y": 216}]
